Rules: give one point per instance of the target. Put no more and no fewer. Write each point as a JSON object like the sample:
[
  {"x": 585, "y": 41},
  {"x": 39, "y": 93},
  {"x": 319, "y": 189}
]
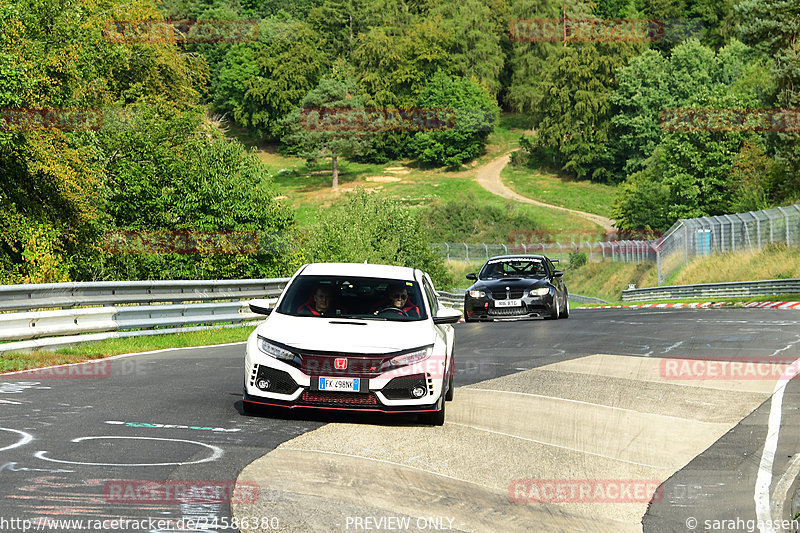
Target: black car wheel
[
  {"x": 565, "y": 314},
  {"x": 435, "y": 418},
  {"x": 449, "y": 396},
  {"x": 556, "y": 314}
]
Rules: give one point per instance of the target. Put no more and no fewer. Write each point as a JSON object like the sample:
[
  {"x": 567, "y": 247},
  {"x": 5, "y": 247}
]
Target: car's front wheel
[
  {"x": 556, "y": 314},
  {"x": 435, "y": 418},
  {"x": 565, "y": 314}
]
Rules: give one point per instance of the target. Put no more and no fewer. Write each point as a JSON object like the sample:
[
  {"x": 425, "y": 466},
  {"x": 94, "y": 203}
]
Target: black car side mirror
[
  {"x": 260, "y": 307},
  {"x": 473, "y": 276},
  {"x": 558, "y": 273}
]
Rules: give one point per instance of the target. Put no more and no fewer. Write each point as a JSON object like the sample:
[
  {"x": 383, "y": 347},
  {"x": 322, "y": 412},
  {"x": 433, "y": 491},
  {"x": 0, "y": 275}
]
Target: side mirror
[
  {"x": 447, "y": 315},
  {"x": 473, "y": 276},
  {"x": 260, "y": 307},
  {"x": 558, "y": 273}
]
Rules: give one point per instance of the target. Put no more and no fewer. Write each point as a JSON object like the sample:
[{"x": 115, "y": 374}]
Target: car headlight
[
  {"x": 275, "y": 351},
  {"x": 477, "y": 294},
  {"x": 541, "y": 291},
  {"x": 408, "y": 358}
]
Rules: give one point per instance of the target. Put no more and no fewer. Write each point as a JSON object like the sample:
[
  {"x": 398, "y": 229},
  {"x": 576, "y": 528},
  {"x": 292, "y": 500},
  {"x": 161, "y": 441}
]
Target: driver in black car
[{"x": 397, "y": 299}]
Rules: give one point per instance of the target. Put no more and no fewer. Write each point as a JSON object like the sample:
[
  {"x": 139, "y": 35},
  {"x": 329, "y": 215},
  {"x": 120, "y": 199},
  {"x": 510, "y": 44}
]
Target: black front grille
[
  {"x": 279, "y": 382},
  {"x": 507, "y": 311},
  {"x": 338, "y": 399},
  {"x": 510, "y": 295},
  {"x": 400, "y": 388}
]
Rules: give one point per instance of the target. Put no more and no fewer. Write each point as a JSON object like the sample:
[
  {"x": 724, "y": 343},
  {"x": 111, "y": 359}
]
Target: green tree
[
  {"x": 574, "y": 115},
  {"x": 317, "y": 133},
  {"x": 474, "y": 111},
  {"x": 378, "y": 230},
  {"x": 259, "y": 83}
]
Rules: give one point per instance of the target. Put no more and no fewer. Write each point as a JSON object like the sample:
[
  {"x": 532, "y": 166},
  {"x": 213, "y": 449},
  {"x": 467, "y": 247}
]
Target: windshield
[
  {"x": 513, "y": 268},
  {"x": 354, "y": 297}
]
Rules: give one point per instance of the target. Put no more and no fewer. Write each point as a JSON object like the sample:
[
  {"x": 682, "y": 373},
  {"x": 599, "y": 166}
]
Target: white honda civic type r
[{"x": 353, "y": 337}]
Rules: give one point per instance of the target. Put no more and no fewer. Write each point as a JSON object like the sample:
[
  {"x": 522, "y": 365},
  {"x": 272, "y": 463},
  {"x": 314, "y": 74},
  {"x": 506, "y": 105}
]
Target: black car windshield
[
  {"x": 353, "y": 297},
  {"x": 517, "y": 267}
]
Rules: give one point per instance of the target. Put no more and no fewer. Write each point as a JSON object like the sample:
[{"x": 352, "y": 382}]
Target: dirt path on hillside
[{"x": 489, "y": 178}]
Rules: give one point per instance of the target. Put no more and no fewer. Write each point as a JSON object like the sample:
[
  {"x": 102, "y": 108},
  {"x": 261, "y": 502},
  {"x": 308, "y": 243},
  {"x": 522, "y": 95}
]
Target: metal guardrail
[
  {"x": 58, "y": 314},
  {"x": 738, "y": 289}
]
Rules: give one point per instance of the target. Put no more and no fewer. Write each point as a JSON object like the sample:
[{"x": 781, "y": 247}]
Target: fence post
[
  {"x": 466, "y": 247},
  {"x": 771, "y": 228},
  {"x": 560, "y": 252},
  {"x": 543, "y": 250},
  {"x": 524, "y": 247},
  {"x": 487, "y": 251},
  {"x": 658, "y": 266},
  {"x": 785, "y": 214},
  {"x": 448, "y": 252},
  {"x": 505, "y": 248},
  {"x": 590, "y": 251}
]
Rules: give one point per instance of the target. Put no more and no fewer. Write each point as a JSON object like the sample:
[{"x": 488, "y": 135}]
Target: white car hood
[{"x": 346, "y": 334}]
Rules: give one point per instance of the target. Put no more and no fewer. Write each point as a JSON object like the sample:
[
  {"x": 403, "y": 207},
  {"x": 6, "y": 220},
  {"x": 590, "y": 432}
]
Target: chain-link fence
[
  {"x": 625, "y": 251},
  {"x": 739, "y": 232}
]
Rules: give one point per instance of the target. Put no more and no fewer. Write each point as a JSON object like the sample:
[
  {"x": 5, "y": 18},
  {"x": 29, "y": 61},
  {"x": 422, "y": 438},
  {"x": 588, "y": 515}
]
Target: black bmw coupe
[{"x": 516, "y": 286}]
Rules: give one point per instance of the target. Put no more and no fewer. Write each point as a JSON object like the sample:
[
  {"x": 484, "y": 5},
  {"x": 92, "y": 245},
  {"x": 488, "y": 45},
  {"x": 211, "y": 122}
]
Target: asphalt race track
[{"x": 542, "y": 407}]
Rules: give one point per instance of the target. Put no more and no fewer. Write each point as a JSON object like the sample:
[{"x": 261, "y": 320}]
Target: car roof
[
  {"x": 359, "y": 269},
  {"x": 520, "y": 256}
]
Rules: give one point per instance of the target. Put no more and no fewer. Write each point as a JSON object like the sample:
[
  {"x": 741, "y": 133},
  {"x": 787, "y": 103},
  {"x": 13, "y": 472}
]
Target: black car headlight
[
  {"x": 477, "y": 294},
  {"x": 540, "y": 291},
  {"x": 274, "y": 350}
]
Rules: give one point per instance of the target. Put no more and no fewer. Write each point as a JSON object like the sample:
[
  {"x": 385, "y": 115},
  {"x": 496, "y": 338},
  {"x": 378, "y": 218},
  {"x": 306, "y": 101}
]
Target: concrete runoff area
[{"x": 600, "y": 419}]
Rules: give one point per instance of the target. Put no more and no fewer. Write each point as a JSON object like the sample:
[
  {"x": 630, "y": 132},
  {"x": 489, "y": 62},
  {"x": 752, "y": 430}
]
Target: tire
[
  {"x": 556, "y": 312},
  {"x": 566, "y": 310},
  {"x": 450, "y": 390},
  {"x": 435, "y": 418}
]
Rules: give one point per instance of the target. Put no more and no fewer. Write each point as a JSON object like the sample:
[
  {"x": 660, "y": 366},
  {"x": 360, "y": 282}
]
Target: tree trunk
[{"x": 335, "y": 173}]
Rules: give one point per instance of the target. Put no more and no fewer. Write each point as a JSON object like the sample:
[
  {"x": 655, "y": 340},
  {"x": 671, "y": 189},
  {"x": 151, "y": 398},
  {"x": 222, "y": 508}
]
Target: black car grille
[
  {"x": 280, "y": 382},
  {"x": 400, "y": 388},
  {"x": 338, "y": 399},
  {"x": 507, "y": 311},
  {"x": 507, "y": 295}
]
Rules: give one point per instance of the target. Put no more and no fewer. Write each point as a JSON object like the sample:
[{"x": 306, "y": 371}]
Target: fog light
[
  {"x": 418, "y": 392},
  {"x": 263, "y": 384}
]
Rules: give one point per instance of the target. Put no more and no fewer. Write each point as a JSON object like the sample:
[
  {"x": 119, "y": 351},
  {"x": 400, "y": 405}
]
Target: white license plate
[
  {"x": 339, "y": 384},
  {"x": 508, "y": 303}
]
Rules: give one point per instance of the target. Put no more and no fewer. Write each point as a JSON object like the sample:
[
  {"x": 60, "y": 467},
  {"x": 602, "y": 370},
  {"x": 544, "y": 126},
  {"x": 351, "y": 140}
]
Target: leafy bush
[
  {"x": 577, "y": 260},
  {"x": 370, "y": 228},
  {"x": 467, "y": 220},
  {"x": 475, "y": 111}
]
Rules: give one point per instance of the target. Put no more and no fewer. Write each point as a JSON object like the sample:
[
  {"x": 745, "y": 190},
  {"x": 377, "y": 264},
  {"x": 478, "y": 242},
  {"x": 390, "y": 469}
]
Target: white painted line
[
  {"x": 761, "y": 496},
  {"x": 217, "y": 453},
  {"x": 119, "y": 356},
  {"x": 26, "y": 438}
]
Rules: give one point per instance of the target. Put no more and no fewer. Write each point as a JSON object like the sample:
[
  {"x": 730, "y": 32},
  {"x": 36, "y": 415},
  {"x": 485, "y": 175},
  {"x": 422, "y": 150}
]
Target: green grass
[
  {"x": 557, "y": 190},
  {"x": 11, "y": 362}
]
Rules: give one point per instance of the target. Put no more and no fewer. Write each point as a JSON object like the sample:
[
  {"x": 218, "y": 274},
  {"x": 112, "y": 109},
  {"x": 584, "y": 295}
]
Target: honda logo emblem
[{"x": 340, "y": 363}]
